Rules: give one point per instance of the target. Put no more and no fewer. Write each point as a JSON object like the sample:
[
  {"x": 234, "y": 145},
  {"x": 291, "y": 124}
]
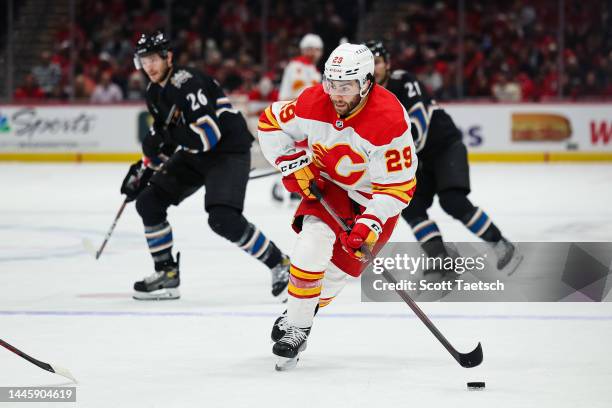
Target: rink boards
[{"x": 492, "y": 132}]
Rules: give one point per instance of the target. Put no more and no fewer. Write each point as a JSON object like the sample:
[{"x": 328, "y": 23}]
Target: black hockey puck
[{"x": 476, "y": 386}]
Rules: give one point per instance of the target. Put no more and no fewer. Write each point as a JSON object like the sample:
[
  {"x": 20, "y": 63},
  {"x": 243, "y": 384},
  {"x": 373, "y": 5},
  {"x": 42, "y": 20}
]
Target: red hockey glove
[
  {"x": 365, "y": 232},
  {"x": 298, "y": 172}
]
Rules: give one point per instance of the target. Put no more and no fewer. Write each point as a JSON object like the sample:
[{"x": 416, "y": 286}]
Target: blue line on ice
[{"x": 269, "y": 314}]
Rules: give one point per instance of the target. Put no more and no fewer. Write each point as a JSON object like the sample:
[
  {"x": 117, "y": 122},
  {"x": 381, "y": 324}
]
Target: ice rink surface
[{"x": 212, "y": 348}]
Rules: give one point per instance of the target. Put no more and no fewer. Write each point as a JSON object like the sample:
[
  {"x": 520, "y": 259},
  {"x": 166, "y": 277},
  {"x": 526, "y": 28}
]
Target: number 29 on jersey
[{"x": 396, "y": 160}]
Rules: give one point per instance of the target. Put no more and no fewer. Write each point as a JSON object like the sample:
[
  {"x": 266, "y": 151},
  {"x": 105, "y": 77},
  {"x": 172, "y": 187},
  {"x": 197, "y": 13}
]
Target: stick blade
[
  {"x": 471, "y": 359},
  {"x": 64, "y": 372}
]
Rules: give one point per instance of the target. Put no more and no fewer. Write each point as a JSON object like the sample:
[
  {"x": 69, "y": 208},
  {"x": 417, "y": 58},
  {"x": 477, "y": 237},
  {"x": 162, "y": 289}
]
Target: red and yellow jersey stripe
[
  {"x": 401, "y": 191},
  {"x": 303, "y": 293},
  {"x": 304, "y": 284},
  {"x": 305, "y": 275},
  {"x": 325, "y": 301},
  {"x": 267, "y": 121}
]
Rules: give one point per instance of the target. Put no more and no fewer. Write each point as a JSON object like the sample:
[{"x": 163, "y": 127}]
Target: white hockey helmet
[
  {"x": 311, "y": 41},
  {"x": 347, "y": 63}
]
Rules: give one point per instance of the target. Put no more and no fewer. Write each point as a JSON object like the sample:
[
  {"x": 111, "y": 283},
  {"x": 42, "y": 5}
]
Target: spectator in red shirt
[
  {"x": 264, "y": 91},
  {"x": 549, "y": 82},
  {"x": 29, "y": 90},
  {"x": 527, "y": 87}
]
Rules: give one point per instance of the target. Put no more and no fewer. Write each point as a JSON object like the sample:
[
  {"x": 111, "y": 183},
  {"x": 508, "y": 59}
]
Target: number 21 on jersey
[{"x": 413, "y": 89}]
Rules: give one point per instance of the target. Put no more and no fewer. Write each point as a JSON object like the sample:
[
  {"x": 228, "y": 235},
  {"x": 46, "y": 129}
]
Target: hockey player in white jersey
[
  {"x": 358, "y": 149},
  {"x": 302, "y": 72}
]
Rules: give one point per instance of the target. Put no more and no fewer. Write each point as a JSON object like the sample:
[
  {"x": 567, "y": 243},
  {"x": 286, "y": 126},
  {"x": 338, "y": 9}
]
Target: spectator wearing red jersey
[
  {"x": 29, "y": 90},
  {"x": 264, "y": 91}
]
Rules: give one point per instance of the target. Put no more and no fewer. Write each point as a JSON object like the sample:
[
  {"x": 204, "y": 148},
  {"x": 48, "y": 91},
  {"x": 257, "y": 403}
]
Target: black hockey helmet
[
  {"x": 378, "y": 49},
  {"x": 156, "y": 43}
]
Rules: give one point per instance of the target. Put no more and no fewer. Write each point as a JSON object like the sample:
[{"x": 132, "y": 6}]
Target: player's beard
[
  {"x": 161, "y": 75},
  {"x": 164, "y": 75},
  {"x": 345, "y": 108}
]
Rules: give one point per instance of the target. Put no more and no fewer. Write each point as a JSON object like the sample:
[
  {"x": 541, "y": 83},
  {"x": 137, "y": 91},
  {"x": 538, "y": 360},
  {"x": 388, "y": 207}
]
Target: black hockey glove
[
  {"x": 154, "y": 141},
  {"x": 136, "y": 180}
]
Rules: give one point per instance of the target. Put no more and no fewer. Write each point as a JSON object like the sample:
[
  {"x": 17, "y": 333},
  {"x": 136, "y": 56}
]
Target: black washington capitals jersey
[
  {"x": 432, "y": 128},
  {"x": 207, "y": 120}
]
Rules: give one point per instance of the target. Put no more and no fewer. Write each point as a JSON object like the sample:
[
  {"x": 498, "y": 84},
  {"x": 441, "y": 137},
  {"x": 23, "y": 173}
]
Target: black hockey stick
[
  {"x": 86, "y": 242},
  {"x": 45, "y": 366},
  {"x": 255, "y": 175},
  {"x": 467, "y": 360}
]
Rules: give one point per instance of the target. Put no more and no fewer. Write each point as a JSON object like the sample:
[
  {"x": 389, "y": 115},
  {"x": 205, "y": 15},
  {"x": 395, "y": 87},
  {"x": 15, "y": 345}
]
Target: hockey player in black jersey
[
  {"x": 197, "y": 139},
  {"x": 443, "y": 168}
]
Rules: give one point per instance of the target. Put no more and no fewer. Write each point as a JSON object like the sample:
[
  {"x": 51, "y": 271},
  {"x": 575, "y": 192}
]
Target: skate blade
[
  {"x": 286, "y": 364},
  {"x": 160, "y": 294}
]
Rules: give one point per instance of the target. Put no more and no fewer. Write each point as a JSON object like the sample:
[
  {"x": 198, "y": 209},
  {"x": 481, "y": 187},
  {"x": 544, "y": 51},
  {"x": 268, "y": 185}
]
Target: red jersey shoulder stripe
[
  {"x": 401, "y": 191},
  {"x": 267, "y": 121}
]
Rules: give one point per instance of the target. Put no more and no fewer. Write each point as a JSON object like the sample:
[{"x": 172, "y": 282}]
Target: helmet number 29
[{"x": 394, "y": 159}]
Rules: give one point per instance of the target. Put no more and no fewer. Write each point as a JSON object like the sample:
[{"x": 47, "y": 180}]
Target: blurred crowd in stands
[{"x": 510, "y": 49}]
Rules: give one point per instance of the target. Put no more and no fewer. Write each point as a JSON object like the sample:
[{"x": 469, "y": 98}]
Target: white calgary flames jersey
[
  {"x": 370, "y": 153},
  {"x": 299, "y": 74}
]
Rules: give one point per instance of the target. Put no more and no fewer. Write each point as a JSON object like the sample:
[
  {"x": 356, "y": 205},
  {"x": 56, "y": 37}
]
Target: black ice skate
[
  {"x": 508, "y": 256},
  {"x": 161, "y": 285},
  {"x": 280, "y": 326},
  {"x": 280, "y": 278},
  {"x": 289, "y": 347}
]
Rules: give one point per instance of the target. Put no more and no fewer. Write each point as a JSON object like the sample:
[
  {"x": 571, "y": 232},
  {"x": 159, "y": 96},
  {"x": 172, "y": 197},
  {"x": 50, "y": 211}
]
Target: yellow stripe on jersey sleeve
[
  {"x": 267, "y": 121},
  {"x": 302, "y": 274},
  {"x": 401, "y": 191}
]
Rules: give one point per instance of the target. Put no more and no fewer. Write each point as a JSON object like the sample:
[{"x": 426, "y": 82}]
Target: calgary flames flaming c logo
[{"x": 333, "y": 160}]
